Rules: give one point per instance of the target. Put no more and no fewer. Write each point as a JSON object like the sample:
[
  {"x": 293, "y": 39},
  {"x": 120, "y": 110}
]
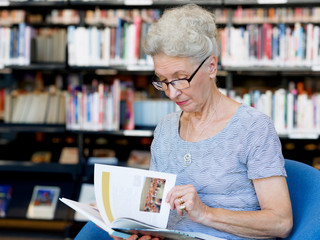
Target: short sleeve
[
  {"x": 264, "y": 156},
  {"x": 155, "y": 148}
]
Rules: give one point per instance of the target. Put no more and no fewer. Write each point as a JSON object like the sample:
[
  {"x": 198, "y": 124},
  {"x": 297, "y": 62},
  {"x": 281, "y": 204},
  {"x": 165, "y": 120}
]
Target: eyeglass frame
[{"x": 182, "y": 79}]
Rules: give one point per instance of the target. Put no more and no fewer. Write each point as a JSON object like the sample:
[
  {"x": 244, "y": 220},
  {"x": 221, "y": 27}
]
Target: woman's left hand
[
  {"x": 186, "y": 198},
  {"x": 146, "y": 237}
]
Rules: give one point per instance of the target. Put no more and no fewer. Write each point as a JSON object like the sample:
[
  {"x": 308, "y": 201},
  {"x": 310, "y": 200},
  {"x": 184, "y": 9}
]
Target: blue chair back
[{"x": 304, "y": 188}]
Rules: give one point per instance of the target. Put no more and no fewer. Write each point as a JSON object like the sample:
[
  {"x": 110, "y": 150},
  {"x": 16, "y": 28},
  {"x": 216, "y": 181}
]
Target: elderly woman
[{"x": 227, "y": 156}]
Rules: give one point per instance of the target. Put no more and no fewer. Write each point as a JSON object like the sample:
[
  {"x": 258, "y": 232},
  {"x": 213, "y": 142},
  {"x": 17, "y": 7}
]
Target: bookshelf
[{"x": 63, "y": 68}]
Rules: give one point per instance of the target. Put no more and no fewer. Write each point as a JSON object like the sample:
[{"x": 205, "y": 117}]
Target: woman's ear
[{"x": 213, "y": 66}]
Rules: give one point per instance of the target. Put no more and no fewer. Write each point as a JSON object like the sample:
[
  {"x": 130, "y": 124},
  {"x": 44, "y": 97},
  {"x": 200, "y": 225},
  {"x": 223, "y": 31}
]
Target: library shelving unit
[
  {"x": 69, "y": 63},
  {"x": 279, "y": 52}
]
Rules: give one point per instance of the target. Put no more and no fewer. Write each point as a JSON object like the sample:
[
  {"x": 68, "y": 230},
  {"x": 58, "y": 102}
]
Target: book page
[
  {"x": 92, "y": 213},
  {"x": 123, "y": 192},
  {"x": 88, "y": 212},
  {"x": 86, "y": 196}
]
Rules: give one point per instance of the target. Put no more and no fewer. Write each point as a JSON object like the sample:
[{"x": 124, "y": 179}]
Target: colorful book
[
  {"x": 5, "y": 197},
  {"x": 43, "y": 202}
]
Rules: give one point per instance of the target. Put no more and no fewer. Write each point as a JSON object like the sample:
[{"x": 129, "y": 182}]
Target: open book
[{"x": 131, "y": 200}]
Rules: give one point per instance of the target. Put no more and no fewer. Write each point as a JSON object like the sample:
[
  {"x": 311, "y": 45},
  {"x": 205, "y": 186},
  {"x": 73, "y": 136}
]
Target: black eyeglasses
[{"x": 179, "y": 84}]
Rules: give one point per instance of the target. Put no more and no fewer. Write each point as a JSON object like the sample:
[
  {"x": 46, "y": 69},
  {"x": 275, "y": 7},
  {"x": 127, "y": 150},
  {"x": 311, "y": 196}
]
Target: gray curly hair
[{"x": 185, "y": 31}]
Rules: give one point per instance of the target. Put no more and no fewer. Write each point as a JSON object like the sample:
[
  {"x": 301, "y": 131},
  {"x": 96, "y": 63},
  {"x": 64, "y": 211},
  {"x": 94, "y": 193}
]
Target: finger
[
  {"x": 146, "y": 237},
  {"x": 175, "y": 196},
  {"x": 169, "y": 195},
  {"x": 178, "y": 201},
  {"x": 133, "y": 237},
  {"x": 180, "y": 191},
  {"x": 117, "y": 238},
  {"x": 181, "y": 209}
]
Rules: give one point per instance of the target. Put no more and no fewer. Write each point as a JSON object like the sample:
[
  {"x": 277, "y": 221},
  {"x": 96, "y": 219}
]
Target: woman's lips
[{"x": 182, "y": 103}]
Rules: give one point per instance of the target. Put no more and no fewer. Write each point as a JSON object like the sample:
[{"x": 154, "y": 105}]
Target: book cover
[
  {"x": 2, "y": 97},
  {"x": 106, "y": 43},
  {"x": 43, "y": 202},
  {"x": 137, "y": 20},
  {"x": 131, "y": 200},
  {"x": 5, "y": 196},
  {"x": 8, "y": 107},
  {"x": 41, "y": 157},
  {"x": 69, "y": 155},
  {"x": 119, "y": 40}
]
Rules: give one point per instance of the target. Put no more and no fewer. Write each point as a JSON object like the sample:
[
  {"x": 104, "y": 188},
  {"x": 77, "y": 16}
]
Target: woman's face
[{"x": 194, "y": 98}]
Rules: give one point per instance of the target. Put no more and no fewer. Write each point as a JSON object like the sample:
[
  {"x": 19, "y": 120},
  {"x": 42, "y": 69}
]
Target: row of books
[
  {"x": 43, "y": 107},
  {"x": 293, "y": 112},
  {"x": 276, "y": 15},
  {"x": 253, "y": 45},
  {"x": 265, "y": 44},
  {"x": 268, "y": 45},
  {"x": 147, "y": 113},
  {"x": 9, "y": 17},
  {"x": 57, "y": 16},
  {"x": 15, "y": 45},
  {"x": 94, "y": 109},
  {"x": 109, "y": 17},
  {"x": 119, "y": 45},
  {"x": 48, "y": 45},
  {"x": 24, "y": 44},
  {"x": 109, "y": 107}
]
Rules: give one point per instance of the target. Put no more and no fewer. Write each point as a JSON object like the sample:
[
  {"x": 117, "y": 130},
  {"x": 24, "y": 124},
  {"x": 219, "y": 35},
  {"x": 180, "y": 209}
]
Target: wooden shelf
[
  {"x": 145, "y": 3},
  {"x": 268, "y": 69},
  {"x": 127, "y": 133},
  {"x": 47, "y": 128},
  {"x": 30, "y": 224},
  {"x": 26, "y": 4},
  {"x": 270, "y": 2},
  {"x": 38, "y": 66},
  {"x": 28, "y": 166}
]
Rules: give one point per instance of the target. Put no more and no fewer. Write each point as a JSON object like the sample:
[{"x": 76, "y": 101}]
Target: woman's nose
[{"x": 171, "y": 92}]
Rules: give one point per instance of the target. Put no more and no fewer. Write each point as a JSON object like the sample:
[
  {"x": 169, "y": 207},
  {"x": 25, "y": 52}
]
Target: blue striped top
[{"x": 222, "y": 166}]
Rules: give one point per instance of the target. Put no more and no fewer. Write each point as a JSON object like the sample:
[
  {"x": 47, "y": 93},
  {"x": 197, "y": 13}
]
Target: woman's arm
[{"x": 273, "y": 220}]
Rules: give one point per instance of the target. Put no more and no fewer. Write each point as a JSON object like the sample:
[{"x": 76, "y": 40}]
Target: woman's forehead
[{"x": 173, "y": 64}]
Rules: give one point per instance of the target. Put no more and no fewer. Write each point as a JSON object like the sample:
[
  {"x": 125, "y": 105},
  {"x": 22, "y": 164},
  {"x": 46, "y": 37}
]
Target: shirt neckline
[{"x": 232, "y": 119}]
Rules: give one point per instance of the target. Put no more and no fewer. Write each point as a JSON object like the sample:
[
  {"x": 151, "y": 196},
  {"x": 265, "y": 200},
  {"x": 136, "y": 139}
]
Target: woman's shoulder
[
  {"x": 252, "y": 114},
  {"x": 249, "y": 117}
]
